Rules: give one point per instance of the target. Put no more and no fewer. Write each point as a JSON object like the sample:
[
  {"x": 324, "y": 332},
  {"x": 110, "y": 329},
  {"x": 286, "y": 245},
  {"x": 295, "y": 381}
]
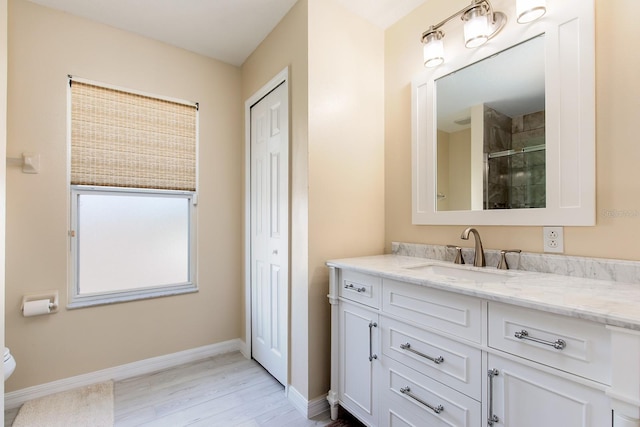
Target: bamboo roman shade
[{"x": 122, "y": 139}]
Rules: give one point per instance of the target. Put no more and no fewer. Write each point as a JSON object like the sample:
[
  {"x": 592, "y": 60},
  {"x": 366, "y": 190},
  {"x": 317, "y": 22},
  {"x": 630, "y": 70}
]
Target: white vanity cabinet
[
  {"x": 405, "y": 354},
  {"x": 393, "y": 363},
  {"x": 358, "y": 340}
]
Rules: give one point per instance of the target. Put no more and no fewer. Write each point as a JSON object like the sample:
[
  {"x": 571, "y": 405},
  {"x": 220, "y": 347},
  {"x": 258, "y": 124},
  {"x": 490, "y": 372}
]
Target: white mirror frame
[{"x": 569, "y": 28}]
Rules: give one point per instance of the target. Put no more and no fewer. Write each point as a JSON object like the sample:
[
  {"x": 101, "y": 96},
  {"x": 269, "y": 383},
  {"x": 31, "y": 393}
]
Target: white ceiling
[{"x": 228, "y": 30}]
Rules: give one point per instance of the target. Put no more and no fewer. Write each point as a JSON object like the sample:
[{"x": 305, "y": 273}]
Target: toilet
[{"x": 9, "y": 363}]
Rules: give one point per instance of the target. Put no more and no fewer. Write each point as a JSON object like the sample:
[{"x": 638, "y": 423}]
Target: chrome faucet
[{"x": 478, "y": 257}]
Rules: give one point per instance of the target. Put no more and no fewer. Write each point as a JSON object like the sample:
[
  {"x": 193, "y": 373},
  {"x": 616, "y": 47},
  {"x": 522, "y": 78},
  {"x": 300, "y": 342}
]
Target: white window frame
[{"x": 77, "y": 299}]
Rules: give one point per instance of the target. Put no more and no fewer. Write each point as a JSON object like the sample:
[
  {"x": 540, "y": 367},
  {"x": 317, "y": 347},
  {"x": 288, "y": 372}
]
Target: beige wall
[
  {"x": 460, "y": 170},
  {"x": 346, "y": 158},
  {"x": 454, "y": 170},
  {"x": 443, "y": 171},
  {"x": 617, "y": 150},
  {"x": 44, "y": 47},
  {"x": 336, "y": 75}
]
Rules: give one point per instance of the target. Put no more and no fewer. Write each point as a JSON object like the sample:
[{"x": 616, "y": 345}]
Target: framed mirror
[{"x": 504, "y": 134}]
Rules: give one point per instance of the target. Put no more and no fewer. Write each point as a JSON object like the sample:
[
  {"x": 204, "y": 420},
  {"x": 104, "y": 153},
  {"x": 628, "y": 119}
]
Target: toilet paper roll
[{"x": 36, "y": 308}]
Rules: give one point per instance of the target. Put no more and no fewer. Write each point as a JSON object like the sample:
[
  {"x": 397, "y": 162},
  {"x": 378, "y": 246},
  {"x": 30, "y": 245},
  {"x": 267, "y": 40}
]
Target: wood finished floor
[{"x": 226, "y": 390}]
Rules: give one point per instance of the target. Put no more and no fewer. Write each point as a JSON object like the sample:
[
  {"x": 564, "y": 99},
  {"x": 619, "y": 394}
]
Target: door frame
[{"x": 281, "y": 77}]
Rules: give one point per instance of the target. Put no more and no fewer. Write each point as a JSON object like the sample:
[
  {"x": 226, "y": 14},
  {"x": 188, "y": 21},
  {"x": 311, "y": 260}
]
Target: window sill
[{"x": 106, "y": 299}]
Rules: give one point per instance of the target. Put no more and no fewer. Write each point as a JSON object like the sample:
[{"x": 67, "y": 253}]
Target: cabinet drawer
[
  {"x": 407, "y": 393},
  {"x": 572, "y": 345},
  {"x": 451, "y": 313},
  {"x": 360, "y": 287},
  {"x": 450, "y": 362}
]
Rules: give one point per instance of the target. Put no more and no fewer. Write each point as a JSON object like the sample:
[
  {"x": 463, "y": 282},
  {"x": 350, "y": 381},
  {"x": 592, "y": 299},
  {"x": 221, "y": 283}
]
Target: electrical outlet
[{"x": 553, "y": 238}]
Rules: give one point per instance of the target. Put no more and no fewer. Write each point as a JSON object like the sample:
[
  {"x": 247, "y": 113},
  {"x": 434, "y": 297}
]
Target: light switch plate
[{"x": 553, "y": 238}]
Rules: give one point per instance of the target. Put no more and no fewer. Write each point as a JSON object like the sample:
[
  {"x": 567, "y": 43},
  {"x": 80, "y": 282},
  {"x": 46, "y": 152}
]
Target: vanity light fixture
[
  {"x": 530, "y": 10},
  {"x": 481, "y": 23}
]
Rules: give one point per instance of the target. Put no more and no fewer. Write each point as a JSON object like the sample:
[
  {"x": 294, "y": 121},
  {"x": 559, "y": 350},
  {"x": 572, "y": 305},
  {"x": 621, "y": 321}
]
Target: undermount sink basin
[{"x": 461, "y": 273}]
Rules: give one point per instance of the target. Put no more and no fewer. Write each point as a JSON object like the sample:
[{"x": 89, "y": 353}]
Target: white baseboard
[
  {"x": 318, "y": 406},
  {"x": 308, "y": 408},
  {"x": 16, "y": 398}
]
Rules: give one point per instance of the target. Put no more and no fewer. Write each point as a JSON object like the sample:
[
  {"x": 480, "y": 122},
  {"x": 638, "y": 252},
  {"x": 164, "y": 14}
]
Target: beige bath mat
[{"x": 90, "y": 406}]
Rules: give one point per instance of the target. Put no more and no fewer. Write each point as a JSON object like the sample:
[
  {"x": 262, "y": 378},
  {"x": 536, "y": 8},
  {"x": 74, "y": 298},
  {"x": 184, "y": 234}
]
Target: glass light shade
[
  {"x": 530, "y": 10},
  {"x": 433, "y": 51},
  {"x": 476, "y": 28}
]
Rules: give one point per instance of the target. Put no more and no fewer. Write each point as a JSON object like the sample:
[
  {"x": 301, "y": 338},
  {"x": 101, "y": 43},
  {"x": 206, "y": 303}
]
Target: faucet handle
[
  {"x": 502, "y": 265},
  {"x": 459, "y": 259}
]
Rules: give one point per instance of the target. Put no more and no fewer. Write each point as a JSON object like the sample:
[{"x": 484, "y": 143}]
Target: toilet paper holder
[{"x": 52, "y": 296}]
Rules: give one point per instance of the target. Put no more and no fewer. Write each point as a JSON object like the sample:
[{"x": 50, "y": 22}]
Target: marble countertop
[{"x": 603, "y": 301}]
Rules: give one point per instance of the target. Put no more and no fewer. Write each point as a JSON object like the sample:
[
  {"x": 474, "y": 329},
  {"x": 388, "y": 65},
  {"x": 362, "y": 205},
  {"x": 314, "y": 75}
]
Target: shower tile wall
[
  {"x": 497, "y": 137},
  {"x": 517, "y": 180}
]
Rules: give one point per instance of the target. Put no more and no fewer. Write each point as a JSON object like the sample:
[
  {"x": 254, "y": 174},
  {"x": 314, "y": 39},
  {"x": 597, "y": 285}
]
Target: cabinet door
[
  {"x": 358, "y": 361},
  {"x": 526, "y": 397}
]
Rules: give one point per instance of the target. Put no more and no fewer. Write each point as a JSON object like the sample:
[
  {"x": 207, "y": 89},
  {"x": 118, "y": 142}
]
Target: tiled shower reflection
[{"x": 514, "y": 160}]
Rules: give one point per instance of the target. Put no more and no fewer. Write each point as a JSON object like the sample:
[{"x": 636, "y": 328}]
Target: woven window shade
[{"x": 121, "y": 139}]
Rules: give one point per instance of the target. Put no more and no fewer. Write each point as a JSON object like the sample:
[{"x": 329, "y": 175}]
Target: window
[{"x": 133, "y": 193}]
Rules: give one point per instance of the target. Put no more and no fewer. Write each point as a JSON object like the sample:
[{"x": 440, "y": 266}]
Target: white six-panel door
[{"x": 269, "y": 232}]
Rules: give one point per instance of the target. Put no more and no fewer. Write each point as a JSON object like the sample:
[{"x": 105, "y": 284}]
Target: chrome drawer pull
[
  {"x": 437, "y": 360},
  {"x": 406, "y": 390},
  {"x": 557, "y": 344},
  {"x": 493, "y": 418},
  {"x": 371, "y": 355},
  {"x": 350, "y": 286}
]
